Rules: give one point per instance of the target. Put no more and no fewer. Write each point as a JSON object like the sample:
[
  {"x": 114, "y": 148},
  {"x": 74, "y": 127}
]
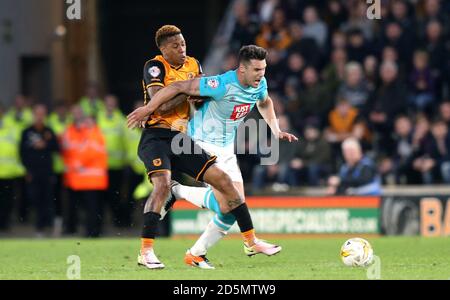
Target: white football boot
[{"x": 149, "y": 260}]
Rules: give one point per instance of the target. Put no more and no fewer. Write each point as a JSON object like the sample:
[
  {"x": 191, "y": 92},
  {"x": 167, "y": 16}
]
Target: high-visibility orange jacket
[{"x": 85, "y": 158}]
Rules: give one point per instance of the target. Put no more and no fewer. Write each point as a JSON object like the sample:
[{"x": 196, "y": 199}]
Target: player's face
[
  {"x": 254, "y": 72},
  {"x": 174, "y": 50}
]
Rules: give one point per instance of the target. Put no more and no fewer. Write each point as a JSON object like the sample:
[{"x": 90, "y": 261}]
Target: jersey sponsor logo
[
  {"x": 154, "y": 71},
  {"x": 240, "y": 111},
  {"x": 157, "y": 162},
  {"x": 213, "y": 83}
]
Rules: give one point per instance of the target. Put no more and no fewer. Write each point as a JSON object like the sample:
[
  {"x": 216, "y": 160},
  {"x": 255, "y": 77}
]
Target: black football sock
[
  {"x": 150, "y": 227},
  {"x": 243, "y": 217}
]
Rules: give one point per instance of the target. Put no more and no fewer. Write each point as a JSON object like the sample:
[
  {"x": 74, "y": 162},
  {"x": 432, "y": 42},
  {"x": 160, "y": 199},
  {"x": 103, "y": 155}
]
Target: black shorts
[{"x": 165, "y": 150}]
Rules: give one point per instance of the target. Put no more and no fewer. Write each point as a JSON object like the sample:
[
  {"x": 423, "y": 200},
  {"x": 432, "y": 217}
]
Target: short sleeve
[
  {"x": 200, "y": 69},
  {"x": 264, "y": 93},
  {"x": 154, "y": 73},
  {"x": 212, "y": 86}
]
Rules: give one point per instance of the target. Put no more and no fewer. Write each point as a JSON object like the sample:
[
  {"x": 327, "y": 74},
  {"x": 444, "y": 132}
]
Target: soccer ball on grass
[{"x": 356, "y": 252}]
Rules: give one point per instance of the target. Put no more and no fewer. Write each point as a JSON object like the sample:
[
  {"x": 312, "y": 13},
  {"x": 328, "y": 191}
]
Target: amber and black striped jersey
[{"x": 158, "y": 72}]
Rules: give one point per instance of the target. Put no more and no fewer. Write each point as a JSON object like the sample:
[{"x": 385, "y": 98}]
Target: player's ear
[
  {"x": 241, "y": 67},
  {"x": 162, "y": 46}
]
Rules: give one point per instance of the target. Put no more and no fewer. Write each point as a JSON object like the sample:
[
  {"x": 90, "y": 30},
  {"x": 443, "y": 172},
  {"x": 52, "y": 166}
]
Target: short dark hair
[
  {"x": 165, "y": 32},
  {"x": 250, "y": 52}
]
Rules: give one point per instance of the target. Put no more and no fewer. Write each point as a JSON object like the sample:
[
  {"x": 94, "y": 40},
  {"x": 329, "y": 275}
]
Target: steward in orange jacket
[
  {"x": 86, "y": 172},
  {"x": 85, "y": 158}
]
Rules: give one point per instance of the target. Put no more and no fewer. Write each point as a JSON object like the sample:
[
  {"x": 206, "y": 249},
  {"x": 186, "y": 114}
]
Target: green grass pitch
[{"x": 303, "y": 258}]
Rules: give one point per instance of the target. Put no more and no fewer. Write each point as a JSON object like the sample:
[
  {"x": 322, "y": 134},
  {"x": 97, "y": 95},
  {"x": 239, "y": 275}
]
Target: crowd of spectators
[
  {"x": 68, "y": 167},
  {"x": 335, "y": 74}
]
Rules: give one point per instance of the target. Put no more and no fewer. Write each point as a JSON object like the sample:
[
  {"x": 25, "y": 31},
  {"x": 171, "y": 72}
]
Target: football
[{"x": 356, "y": 252}]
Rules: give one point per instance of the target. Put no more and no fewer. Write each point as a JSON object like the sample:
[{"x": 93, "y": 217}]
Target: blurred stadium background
[{"x": 332, "y": 72}]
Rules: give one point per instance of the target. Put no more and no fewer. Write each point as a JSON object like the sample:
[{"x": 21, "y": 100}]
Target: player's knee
[
  {"x": 161, "y": 186},
  {"x": 224, "y": 182}
]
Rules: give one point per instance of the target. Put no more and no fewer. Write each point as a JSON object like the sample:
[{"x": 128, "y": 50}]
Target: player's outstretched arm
[
  {"x": 268, "y": 113},
  {"x": 189, "y": 87},
  {"x": 168, "y": 106}
]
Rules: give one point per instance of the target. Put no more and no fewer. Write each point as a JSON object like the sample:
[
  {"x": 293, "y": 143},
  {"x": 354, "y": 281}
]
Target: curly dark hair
[{"x": 165, "y": 32}]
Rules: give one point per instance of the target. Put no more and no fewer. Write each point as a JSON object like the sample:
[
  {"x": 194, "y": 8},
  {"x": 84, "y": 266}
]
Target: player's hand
[
  {"x": 287, "y": 136},
  {"x": 135, "y": 118}
]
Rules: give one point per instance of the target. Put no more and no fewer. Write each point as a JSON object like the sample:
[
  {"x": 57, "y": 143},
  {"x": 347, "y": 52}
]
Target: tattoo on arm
[
  {"x": 162, "y": 96},
  {"x": 193, "y": 87},
  {"x": 166, "y": 107}
]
